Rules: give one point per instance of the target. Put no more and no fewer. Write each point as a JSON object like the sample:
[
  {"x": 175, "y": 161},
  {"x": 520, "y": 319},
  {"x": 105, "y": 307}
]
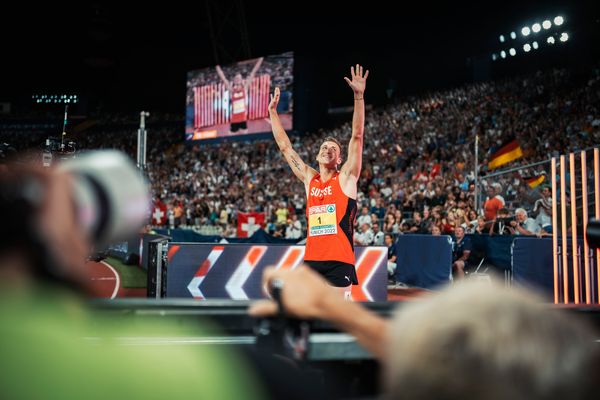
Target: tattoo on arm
[{"x": 296, "y": 163}]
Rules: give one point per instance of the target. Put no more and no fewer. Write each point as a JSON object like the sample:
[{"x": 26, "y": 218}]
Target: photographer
[
  {"x": 52, "y": 345},
  {"x": 524, "y": 225},
  {"x": 502, "y": 224},
  {"x": 450, "y": 345}
]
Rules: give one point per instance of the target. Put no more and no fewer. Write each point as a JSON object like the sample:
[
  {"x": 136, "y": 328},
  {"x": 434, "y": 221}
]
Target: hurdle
[{"x": 577, "y": 283}]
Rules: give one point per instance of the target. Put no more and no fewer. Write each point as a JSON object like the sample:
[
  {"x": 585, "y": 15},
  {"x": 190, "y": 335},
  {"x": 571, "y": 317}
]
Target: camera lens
[{"x": 110, "y": 193}]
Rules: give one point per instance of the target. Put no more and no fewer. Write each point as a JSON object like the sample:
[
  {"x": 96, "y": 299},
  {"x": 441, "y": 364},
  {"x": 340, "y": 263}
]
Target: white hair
[{"x": 521, "y": 211}]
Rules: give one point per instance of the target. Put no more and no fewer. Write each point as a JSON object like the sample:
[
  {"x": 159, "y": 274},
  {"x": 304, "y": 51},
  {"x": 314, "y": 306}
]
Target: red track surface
[{"x": 103, "y": 283}]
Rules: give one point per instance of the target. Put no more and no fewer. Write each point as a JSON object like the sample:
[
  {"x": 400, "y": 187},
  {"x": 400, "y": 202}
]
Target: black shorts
[
  {"x": 337, "y": 273},
  {"x": 236, "y": 126}
]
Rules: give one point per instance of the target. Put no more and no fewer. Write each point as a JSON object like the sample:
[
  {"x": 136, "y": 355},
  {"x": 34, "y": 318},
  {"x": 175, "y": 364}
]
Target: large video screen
[{"x": 231, "y": 100}]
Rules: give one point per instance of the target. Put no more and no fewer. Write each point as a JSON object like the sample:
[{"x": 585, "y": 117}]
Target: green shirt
[{"x": 52, "y": 347}]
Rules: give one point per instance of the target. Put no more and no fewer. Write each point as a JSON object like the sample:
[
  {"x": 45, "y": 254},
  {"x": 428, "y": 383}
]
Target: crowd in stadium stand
[{"x": 418, "y": 160}]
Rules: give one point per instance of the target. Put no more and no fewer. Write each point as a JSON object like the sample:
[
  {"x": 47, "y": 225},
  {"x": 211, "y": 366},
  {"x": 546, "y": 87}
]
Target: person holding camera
[
  {"x": 524, "y": 225},
  {"x": 502, "y": 224},
  {"x": 53, "y": 345},
  {"x": 450, "y": 345}
]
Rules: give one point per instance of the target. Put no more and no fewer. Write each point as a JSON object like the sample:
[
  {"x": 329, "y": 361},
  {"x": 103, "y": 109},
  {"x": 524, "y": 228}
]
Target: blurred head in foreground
[{"x": 482, "y": 341}]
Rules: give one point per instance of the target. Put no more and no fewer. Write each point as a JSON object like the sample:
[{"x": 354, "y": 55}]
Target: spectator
[
  {"x": 391, "y": 225},
  {"x": 282, "y": 213},
  {"x": 364, "y": 217},
  {"x": 391, "y": 258},
  {"x": 493, "y": 203},
  {"x": 481, "y": 229},
  {"x": 524, "y": 225},
  {"x": 543, "y": 208},
  {"x": 378, "y": 209},
  {"x": 502, "y": 224},
  {"x": 378, "y": 235},
  {"x": 294, "y": 228},
  {"x": 461, "y": 249},
  {"x": 364, "y": 237}
]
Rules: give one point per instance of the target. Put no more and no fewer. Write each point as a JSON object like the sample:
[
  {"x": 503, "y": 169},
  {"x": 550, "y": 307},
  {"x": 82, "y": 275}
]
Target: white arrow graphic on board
[
  {"x": 242, "y": 272},
  {"x": 194, "y": 285}
]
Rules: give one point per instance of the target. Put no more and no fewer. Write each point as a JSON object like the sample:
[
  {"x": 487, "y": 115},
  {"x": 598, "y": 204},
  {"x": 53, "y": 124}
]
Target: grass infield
[{"x": 132, "y": 276}]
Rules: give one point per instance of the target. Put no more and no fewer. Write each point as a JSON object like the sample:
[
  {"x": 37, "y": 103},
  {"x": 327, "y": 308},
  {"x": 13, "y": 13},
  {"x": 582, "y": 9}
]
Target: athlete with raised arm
[
  {"x": 331, "y": 191},
  {"x": 238, "y": 94}
]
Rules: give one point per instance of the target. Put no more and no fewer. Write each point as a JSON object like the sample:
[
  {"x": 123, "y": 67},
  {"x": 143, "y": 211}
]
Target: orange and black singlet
[{"x": 330, "y": 214}]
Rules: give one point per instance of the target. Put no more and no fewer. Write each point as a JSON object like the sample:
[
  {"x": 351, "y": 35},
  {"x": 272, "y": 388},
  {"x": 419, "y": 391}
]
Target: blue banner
[{"x": 234, "y": 271}]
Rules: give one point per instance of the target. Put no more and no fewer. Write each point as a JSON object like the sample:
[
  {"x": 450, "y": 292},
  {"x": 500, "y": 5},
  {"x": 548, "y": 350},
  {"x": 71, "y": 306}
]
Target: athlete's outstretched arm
[
  {"x": 300, "y": 169},
  {"x": 253, "y": 72},
  {"x": 222, "y": 75},
  {"x": 306, "y": 295},
  {"x": 358, "y": 84}
]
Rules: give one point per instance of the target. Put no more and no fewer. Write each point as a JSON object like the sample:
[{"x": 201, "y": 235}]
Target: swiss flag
[
  {"x": 159, "y": 213},
  {"x": 248, "y": 223}
]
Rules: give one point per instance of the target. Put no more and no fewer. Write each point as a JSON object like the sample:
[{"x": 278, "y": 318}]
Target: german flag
[
  {"x": 508, "y": 152},
  {"x": 535, "y": 180}
]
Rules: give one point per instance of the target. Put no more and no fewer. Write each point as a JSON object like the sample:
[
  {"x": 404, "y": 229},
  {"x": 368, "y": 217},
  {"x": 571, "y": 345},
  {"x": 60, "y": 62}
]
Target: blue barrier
[
  {"x": 423, "y": 260},
  {"x": 532, "y": 264},
  {"x": 495, "y": 249}
]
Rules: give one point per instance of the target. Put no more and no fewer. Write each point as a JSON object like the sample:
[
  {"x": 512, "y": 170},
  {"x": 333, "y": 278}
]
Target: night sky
[{"x": 135, "y": 56}]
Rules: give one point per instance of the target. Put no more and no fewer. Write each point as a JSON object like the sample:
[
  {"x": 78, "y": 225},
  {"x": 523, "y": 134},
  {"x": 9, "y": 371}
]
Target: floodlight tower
[{"x": 141, "y": 145}]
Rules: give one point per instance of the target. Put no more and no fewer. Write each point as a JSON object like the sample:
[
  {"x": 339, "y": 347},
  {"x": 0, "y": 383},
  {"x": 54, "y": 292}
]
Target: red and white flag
[
  {"x": 159, "y": 213},
  {"x": 248, "y": 223}
]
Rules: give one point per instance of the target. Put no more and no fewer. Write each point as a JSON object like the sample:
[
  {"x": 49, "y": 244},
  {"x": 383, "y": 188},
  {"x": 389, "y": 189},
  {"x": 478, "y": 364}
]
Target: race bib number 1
[{"x": 322, "y": 220}]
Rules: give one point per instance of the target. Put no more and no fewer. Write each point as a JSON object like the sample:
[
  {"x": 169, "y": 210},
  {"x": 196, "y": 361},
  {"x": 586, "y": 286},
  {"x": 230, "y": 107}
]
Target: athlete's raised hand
[
  {"x": 359, "y": 81},
  {"x": 274, "y": 100}
]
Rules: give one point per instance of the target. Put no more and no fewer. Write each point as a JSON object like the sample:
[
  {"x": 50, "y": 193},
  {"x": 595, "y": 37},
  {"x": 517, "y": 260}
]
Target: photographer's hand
[{"x": 305, "y": 294}]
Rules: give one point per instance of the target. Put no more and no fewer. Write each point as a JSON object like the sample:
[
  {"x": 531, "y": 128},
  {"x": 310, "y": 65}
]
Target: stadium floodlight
[
  {"x": 513, "y": 35},
  {"x": 558, "y": 20},
  {"x": 536, "y": 27},
  {"x": 501, "y": 38},
  {"x": 550, "y": 40},
  {"x": 535, "y": 45},
  {"x": 512, "y": 51},
  {"x": 494, "y": 57},
  {"x": 526, "y": 47},
  {"x": 525, "y": 31},
  {"x": 564, "y": 37},
  {"x": 546, "y": 24},
  {"x": 503, "y": 54}
]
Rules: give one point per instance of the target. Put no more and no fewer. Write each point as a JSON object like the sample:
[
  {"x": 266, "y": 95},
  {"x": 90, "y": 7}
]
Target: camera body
[{"x": 502, "y": 225}]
